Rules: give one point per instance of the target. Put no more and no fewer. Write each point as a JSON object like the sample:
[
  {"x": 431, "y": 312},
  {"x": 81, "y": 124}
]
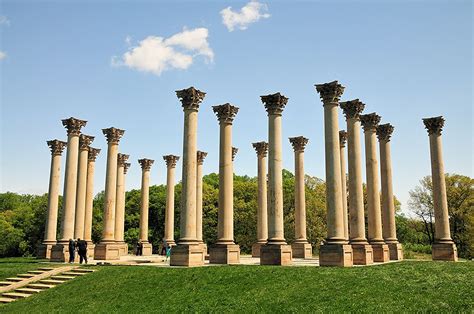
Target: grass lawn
[
  {"x": 10, "y": 267},
  {"x": 406, "y": 286}
]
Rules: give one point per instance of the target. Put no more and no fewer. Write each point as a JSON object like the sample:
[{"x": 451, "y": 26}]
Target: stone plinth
[
  {"x": 256, "y": 247},
  {"x": 396, "y": 251},
  {"x": 90, "y": 250},
  {"x": 44, "y": 250},
  {"x": 123, "y": 247},
  {"x": 302, "y": 250},
  {"x": 444, "y": 252},
  {"x": 276, "y": 254},
  {"x": 335, "y": 255},
  {"x": 381, "y": 253},
  {"x": 363, "y": 254},
  {"x": 224, "y": 254},
  {"x": 187, "y": 255},
  {"x": 147, "y": 249},
  {"x": 107, "y": 251},
  {"x": 60, "y": 253}
]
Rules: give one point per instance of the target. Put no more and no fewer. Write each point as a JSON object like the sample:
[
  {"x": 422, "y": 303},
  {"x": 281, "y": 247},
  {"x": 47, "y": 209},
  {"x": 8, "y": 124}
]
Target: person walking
[
  {"x": 72, "y": 250},
  {"x": 82, "y": 249},
  {"x": 168, "y": 252},
  {"x": 139, "y": 248}
]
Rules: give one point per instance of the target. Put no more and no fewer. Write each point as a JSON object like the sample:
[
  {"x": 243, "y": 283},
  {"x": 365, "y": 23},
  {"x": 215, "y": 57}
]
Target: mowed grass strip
[
  {"x": 10, "y": 267},
  {"x": 406, "y": 286}
]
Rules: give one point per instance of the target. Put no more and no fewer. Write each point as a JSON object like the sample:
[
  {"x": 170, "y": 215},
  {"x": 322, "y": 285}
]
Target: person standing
[
  {"x": 82, "y": 249},
  {"x": 72, "y": 250}
]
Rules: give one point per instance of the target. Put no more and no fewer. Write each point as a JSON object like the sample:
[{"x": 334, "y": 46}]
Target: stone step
[
  {"x": 51, "y": 281},
  {"x": 15, "y": 295},
  {"x": 6, "y": 300},
  {"x": 5, "y": 283},
  {"x": 25, "y": 275},
  {"x": 46, "y": 268},
  {"x": 37, "y": 272},
  {"x": 40, "y": 286},
  {"x": 15, "y": 279},
  {"x": 84, "y": 270},
  {"x": 62, "y": 277},
  {"x": 28, "y": 290},
  {"x": 73, "y": 273}
]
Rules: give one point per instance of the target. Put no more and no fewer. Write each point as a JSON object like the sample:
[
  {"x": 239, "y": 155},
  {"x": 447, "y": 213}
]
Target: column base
[
  {"x": 256, "y": 248},
  {"x": 396, "y": 251},
  {"x": 187, "y": 255},
  {"x": 60, "y": 253},
  {"x": 107, "y": 251},
  {"x": 335, "y": 255},
  {"x": 276, "y": 254},
  {"x": 44, "y": 250},
  {"x": 123, "y": 247},
  {"x": 444, "y": 252},
  {"x": 302, "y": 250},
  {"x": 381, "y": 253},
  {"x": 363, "y": 254},
  {"x": 147, "y": 249},
  {"x": 90, "y": 250},
  {"x": 224, "y": 254}
]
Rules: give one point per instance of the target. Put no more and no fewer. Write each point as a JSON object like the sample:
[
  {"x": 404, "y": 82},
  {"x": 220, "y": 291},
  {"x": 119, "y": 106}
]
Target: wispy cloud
[
  {"x": 4, "y": 20},
  {"x": 3, "y": 55},
  {"x": 157, "y": 54},
  {"x": 252, "y": 12}
]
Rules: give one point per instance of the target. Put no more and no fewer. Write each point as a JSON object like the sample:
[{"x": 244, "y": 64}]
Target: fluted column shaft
[
  {"x": 89, "y": 196},
  {"x": 200, "y": 161},
  {"x": 262, "y": 225},
  {"x": 300, "y": 203},
  {"x": 225, "y": 223},
  {"x": 108, "y": 233},
  {"x": 144, "y": 204},
  {"x": 342, "y": 153},
  {"x": 169, "y": 213},
  {"x": 389, "y": 230},
  {"x": 120, "y": 204}
]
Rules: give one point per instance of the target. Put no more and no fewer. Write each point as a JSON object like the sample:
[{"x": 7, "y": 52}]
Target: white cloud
[
  {"x": 4, "y": 20},
  {"x": 157, "y": 54},
  {"x": 249, "y": 14},
  {"x": 128, "y": 40},
  {"x": 3, "y": 55}
]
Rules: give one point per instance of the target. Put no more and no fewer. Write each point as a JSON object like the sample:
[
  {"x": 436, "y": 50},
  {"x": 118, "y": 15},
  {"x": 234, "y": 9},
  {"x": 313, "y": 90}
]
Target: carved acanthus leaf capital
[
  {"x": 384, "y": 132},
  {"x": 330, "y": 92},
  {"x": 171, "y": 160},
  {"x": 342, "y": 138},
  {"x": 352, "y": 108},
  {"x": 274, "y": 103},
  {"x": 85, "y": 141},
  {"x": 434, "y": 125},
  {"x": 113, "y": 135},
  {"x": 93, "y": 152},
  {"x": 122, "y": 159},
  {"x": 298, "y": 143},
  {"x": 201, "y": 156},
  {"x": 261, "y": 148},
  {"x": 73, "y": 125},
  {"x": 190, "y": 97},
  {"x": 369, "y": 121},
  {"x": 125, "y": 167},
  {"x": 234, "y": 152},
  {"x": 225, "y": 113},
  {"x": 56, "y": 147},
  {"x": 146, "y": 163}
]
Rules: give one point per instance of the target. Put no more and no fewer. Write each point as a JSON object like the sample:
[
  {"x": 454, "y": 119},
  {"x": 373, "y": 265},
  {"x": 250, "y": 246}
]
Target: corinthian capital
[
  {"x": 113, "y": 135},
  {"x": 85, "y": 141},
  {"x": 352, "y": 108},
  {"x": 73, "y": 125},
  {"x": 274, "y": 103},
  {"x": 434, "y": 125},
  {"x": 384, "y": 132},
  {"x": 369, "y": 121},
  {"x": 56, "y": 147},
  {"x": 125, "y": 167},
  {"x": 330, "y": 92},
  {"x": 225, "y": 113},
  {"x": 171, "y": 160},
  {"x": 93, "y": 152},
  {"x": 201, "y": 156},
  {"x": 190, "y": 97},
  {"x": 261, "y": 148},
  {"x": 234, "y": 152},
  {"x": 146, "y": 163},
  {"x": 122, "y": 159},
  {"x": 342, "y": 138},
  {"x": 298, "y": 143}
]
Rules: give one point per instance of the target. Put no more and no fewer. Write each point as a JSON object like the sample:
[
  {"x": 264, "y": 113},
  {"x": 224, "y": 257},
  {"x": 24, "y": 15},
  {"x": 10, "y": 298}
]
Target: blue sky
[{"x": 405, "y": 59}]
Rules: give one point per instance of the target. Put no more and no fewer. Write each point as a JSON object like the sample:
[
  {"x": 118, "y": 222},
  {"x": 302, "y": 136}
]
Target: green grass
[
  {"x": 10, "y": 267},
  {"x": 395, "y": 287}
]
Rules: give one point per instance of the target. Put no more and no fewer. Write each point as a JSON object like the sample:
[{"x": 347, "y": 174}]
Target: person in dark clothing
[
  {"x": 82, "y": 248},
  {"x": 72, "y": 250},
  {"x": 139, "y": 248}
]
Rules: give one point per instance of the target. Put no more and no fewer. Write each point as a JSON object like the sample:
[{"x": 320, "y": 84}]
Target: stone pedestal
[
  {"x": 276, "y": 254},
  {"x": 60, "y": 253},
  {"x": 107, "y": 251},
  {"x": 444, "y": 252},
  {"x": 262, "y": 226},
  {"x": 147, "y": 249},
  {"x": 224, "y": 254},
  {"x": 256, "y": 247},
  {"x": 90, "y": 250},
  {"x": 123, "y": 247},
  {"x": 335, "y": 255},
  {"x": 396, "y": 251},
  {"x": 302, "y": 250},
  {"x": 44, "y": 250},
  {"x": 363, "y": 254},
  {"x": 381, "y": 253},
  {"x": 187, "y": 255}
]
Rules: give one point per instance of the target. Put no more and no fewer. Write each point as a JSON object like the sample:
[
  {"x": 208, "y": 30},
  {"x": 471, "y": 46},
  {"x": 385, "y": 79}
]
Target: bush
[{"x": 416, "y": 247}]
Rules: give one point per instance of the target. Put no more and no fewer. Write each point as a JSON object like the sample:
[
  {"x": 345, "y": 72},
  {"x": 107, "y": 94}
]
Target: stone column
[
  {"x": 200, "y": 160},
  {"x": 171, "y": 161},
  {"x": 301, "y": 247},
  {"x": 262, "y": 227},
  {"x": 275, "y": 251},
  {"x": 107, "y": 249},
  {"x": 119, "y": 229},
  {"x": 44, "y": 249},
  {"x": 84, "y": 142},
  {"x": 444, "y": 248},
  {"x": 342, "y": 145},
  {"x": 93, "y": 152},
  {"x": 225, "y": 251},
  {"x": 189, "y": 252},
  {"x": 60, "y": 251},
  {"x": 362, "y": 251},
  {"x": 374, "y": 213},
  {"x": 335, "y": 251},
  {"x": 144, "y": 204}
]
